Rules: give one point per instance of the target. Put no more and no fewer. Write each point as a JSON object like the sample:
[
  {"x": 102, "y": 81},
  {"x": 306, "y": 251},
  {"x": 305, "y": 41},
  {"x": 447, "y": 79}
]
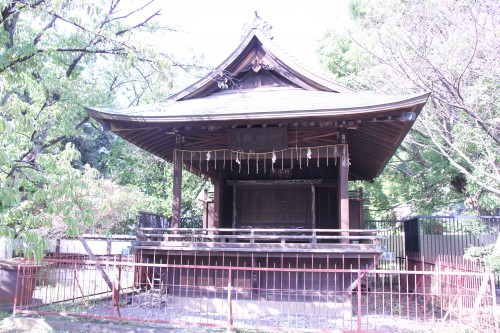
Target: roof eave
[
  {"x": 359, "y": 112},
  {"x": 418, "y": 109}
]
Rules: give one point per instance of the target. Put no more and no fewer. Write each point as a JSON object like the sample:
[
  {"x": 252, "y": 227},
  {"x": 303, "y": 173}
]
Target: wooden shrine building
[{"x": 280, "y": 145}]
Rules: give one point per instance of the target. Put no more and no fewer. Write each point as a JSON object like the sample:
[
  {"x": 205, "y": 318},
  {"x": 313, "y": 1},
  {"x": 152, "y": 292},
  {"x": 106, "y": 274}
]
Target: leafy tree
[
  {"x": 129, "y": 165},
  {"x": 451, "y": 157},
  {"x": 56, "y": 57}
]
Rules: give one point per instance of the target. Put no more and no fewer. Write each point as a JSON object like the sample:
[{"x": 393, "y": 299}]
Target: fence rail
[
  {"x": 434, "y": 236},
  {"x": 271, "y": 298},
  {"x": 452, "y": 236}
]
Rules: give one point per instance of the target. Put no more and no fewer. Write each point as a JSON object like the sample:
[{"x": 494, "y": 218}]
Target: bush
[
  {"x": 123, "y": 206},
  {"x": 485, "y": 255},
  {"x": 115, "y": 210}
]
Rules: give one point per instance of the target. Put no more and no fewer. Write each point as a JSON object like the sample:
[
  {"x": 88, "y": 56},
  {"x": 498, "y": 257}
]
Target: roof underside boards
[
  {"x": 378, "y": 119},
  {"x": 266, "y": 88}
]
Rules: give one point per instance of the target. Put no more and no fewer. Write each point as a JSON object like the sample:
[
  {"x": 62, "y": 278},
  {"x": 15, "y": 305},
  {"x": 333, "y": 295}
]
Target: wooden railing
[{"x": 257, "y": 237}]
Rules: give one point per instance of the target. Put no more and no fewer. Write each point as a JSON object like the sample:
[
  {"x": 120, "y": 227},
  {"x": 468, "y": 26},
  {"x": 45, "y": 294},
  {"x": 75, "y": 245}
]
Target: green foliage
[
  {"x": 448, "y": 164},
  {"x": 122, "y": 205},
  {"x": 54, "y": 60},
  {"x": 342, "y": 59},
  {"x": 485, "y": 255},
  {"x": 134, "y": 168},
  {"x": 405, "y": 182}
]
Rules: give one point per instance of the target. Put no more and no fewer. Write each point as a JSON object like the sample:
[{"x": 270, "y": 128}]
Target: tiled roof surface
[{"x": 262, "y": 104}]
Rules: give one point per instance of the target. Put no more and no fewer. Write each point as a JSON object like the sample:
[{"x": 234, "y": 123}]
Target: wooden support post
[
  {"x": 361, "y": 209},
  {"x": 177, "y": 191},
  {"x": 235, "y": 212},
  {"x": 313, "y": 206},
  {"x": 343, "y": 192},
  {"x": 205, "y": 213},
  {"x": 217, "y": 203}
]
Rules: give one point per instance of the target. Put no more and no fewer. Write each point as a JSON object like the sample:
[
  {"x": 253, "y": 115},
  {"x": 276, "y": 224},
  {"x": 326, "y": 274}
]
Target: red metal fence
[
  {"x": 284, "y": 295},
  {"x": 434, "y": 237}
]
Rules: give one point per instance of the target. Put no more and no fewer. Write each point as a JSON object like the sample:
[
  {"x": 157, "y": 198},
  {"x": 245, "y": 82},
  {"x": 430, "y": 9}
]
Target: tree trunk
[{"x": 113, "y": 288}]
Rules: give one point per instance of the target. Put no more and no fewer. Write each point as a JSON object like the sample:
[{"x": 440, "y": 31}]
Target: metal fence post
[
  {"x": 460, "y": 297},
  {"x": 18, "y": 275},
  {"x": 419, "y": 236},
  {"x": 359, "y": 299},
  {"x": 496, "y": 320},
  {"x": 113, "y": 301},
  {"x": 229, "y": 299}
]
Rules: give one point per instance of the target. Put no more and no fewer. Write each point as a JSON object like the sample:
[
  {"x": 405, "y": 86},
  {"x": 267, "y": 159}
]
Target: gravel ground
[
  {"x": 380, "y": 311},
  {"x": 412, "y": 316}
]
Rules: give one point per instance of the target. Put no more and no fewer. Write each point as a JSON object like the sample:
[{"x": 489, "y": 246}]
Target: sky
[{"x": 214, "y": 28}]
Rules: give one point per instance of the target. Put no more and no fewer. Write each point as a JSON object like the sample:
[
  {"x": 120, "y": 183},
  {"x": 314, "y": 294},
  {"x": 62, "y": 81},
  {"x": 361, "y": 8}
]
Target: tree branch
[
  {"x": 121, "y": 32},
  {"x": 73, "y": 65},
  {"x": 113, "y": 7},
  {"x": 18, "y": 61},
  {"x": 40, "y": 34}
]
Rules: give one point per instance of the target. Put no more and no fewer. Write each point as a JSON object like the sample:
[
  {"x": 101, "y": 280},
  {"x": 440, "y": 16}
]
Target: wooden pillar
[
  {"x": 209, "y": 218},
  {"x": 361, "y": 209},
  {"x": 177, "y": 191},
  {"x": 205, "y": 213},
  {"x": 235, "y": 212},
  {"x": 313, "y": 206},
  {"x": 343, "y": 191},
  {"x": 58, "y": 247},
  {"x": 217, "y": 203}
]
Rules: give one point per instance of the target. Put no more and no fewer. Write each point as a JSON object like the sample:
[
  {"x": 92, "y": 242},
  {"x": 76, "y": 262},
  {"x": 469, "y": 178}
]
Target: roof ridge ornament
[
  {"x": 256, "y": 65},
  {"x": 258, "y": 23}
]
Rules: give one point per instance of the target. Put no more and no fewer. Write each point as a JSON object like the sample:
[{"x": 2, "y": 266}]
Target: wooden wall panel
[{"x": 274, "y": 206}]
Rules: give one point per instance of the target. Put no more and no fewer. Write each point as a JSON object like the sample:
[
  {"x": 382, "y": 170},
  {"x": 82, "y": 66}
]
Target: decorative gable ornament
[
  {"x": 258, "y": 23},
  {"x": 256, "y": 65}
]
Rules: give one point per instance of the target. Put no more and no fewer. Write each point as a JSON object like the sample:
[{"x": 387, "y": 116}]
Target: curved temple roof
[
  {"x": 263, "y": 87},
  {"x": 261, "y": 105}
]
